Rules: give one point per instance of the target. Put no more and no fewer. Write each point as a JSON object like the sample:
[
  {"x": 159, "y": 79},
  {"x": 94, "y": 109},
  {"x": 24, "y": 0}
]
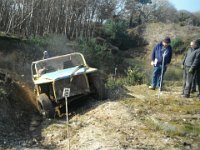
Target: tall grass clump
[
  {"x": 179, "y": 45},
  {"x": 133, "y": 77}
]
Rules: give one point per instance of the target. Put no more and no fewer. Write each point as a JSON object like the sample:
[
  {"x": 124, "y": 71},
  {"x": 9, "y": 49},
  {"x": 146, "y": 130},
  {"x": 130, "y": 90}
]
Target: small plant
[
  {"x": 177, "y": 45},
  {"x": 133, "y": 77},
  {"x": 113, "y": 83}
]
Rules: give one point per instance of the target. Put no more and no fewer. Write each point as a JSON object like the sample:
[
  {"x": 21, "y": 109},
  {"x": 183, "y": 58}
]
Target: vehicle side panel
[{"x": 77, "y": 84}]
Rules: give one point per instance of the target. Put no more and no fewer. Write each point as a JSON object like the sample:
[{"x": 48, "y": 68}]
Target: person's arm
[
  {"x": 183, "y": 62},
  {"x": 196, "y": 62},
  {"x": 168, "y": 57},
  {"x": 153, "y": 54}
]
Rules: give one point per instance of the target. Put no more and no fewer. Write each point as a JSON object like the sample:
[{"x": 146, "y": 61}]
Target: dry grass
[
  {"x": 153, "y": 30},
  {"x": 170, "y": 114},
  {"x": 141, "y": 122}
]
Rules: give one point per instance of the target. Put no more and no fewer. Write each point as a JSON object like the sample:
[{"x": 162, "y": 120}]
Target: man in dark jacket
[
  {"x": 162, "y": 53},
  {"x": 192, "y": 65},
  {"x": 190, "y": 50}
]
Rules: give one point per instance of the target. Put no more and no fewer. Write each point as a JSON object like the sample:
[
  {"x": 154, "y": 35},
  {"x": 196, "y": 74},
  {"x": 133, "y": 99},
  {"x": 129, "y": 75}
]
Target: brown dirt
[{"x": 145, "y": 122}]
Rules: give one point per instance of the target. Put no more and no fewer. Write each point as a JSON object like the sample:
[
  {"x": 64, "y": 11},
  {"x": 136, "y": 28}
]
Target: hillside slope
[{"x": 155, "y": 32}]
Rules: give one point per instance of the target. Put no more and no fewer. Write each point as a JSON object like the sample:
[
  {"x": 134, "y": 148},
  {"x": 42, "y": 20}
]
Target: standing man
[
  {"x": 162, "y": 52},
  {"x": 189, "y": 52},
  {"x": 192, "y": 65}
]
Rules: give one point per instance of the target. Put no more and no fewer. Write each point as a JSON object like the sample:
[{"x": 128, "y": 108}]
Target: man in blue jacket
[{"x": 160, "y": 58}]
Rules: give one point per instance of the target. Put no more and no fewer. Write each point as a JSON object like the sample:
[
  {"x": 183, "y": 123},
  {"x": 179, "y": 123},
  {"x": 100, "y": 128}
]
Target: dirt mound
[{"x": 16, "y": 114}]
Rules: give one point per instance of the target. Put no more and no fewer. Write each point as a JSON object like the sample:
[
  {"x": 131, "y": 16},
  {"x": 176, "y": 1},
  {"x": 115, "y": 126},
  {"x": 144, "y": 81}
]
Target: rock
[
  {"x": 35, "y": 123},
  {"x": 187, "y": 145},
  {"x": 32, "y": 129},
  {"x": 24, "y": 144}
]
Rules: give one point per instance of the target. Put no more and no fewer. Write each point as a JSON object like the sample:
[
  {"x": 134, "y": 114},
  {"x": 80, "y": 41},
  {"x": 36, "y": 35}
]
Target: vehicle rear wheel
[{"x": 45, "y": 106}]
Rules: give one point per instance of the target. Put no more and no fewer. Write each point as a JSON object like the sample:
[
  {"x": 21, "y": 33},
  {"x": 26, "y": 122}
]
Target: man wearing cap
[{"x": 162, "y": 53}]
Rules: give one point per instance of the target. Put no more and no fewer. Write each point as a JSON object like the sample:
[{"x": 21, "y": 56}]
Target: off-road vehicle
[{"x": 53, "y": 74}]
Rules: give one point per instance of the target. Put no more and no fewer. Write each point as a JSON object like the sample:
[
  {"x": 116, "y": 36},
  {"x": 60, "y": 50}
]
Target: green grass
[{"x": 174, "y": 128}]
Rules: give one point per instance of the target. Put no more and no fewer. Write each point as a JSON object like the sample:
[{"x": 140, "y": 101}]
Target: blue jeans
[{"x": 156, "y": 76}]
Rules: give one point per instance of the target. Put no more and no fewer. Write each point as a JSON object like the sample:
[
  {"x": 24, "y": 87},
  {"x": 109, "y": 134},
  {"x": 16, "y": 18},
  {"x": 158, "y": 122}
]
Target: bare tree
[
  {"x": 78, "y": 18},
  {"x": 164, "y": 11}
]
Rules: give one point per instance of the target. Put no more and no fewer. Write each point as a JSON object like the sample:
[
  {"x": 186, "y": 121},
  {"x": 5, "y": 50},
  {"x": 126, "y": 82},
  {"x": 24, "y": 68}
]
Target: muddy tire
[
  {"x": 45, "y": 106},
  {"x": 97, "y": 86}
]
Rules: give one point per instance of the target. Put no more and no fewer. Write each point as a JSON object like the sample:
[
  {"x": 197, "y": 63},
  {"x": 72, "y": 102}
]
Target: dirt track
[{"x": 145, "y": 122}]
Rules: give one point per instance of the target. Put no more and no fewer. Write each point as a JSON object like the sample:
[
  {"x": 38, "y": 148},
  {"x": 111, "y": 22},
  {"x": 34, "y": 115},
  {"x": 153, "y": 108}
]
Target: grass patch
[
  {"x": 181, "y": 107},
  {"x": 171, "y": 128},
  {"x": 133, "y": 77}
]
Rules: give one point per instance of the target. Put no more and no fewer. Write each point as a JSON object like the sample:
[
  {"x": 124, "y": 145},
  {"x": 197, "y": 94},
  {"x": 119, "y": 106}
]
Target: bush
[
  {"x": 116, "y": 32},
  {"x": 38, "y": 41},
  {"x": 96, "y": 55},
  {"x": 174, "y": 73},
  {"x": 133, "y": 77},
  {"x": 177, "y": 45}
]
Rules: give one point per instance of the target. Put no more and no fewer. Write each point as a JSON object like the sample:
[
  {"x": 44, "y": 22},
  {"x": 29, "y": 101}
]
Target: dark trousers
[
  {"x": 188, "y": 81},
  {"x": 184, "y": 79},
  {"x": 194, "y": 81}
]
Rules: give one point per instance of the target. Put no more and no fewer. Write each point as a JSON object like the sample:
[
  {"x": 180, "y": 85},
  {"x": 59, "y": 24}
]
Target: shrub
[
  {"x": 38, "y": 41},
  {"x": 133, "y": 77},
  {"x": 177, "y": 45},
  {"x": 96, "y": 55},
  {"x": 174, "y": 73},
  {"x": 116, "y": 32}
]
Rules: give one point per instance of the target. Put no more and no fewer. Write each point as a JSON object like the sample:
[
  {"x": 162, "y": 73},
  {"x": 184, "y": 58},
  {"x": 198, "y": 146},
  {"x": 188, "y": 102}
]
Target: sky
[{"x": 189, "y": 5}]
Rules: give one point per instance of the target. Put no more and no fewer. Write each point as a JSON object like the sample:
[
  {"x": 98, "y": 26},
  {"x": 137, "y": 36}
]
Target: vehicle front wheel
[
  {"x": 97, "y": 86},
  {"x": 45, "y": 106}
]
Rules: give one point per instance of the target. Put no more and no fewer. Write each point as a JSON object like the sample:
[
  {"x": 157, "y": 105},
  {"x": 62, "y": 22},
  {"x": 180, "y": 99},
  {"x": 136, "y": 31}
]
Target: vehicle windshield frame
[{"x": 57, "y": 63}]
